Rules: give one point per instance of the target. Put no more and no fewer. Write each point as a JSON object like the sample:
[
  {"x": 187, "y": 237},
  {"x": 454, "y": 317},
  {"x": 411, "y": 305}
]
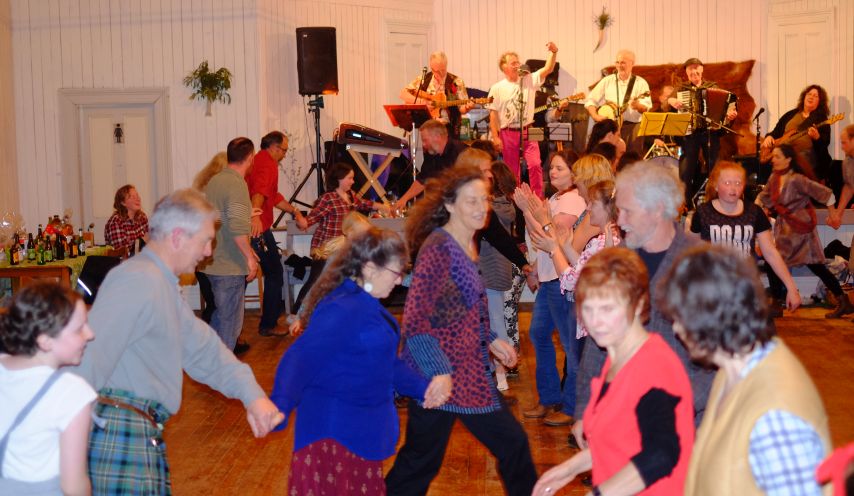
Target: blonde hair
[
  {"x": 503, "y": 59},
  {"x": 214, "y": 167},
  {"x": 591, "y": 169}
]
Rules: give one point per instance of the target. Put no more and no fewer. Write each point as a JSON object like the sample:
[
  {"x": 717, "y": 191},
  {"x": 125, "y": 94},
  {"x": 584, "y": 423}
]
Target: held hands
[
  {"x": 302, "y": 222},
  {"x": 834, "y": 220},
  {"x": 438, "y": 391},
  {"x": 578, "y": 433},
  {"x": 504, "y": 352},
  {"x": 263, "y": 416},
  {"x": 553, "y": 480}
]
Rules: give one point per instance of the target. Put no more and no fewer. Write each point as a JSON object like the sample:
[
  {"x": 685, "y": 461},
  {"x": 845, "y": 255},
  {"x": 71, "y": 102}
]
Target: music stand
[
  {"x": 663, "y": 124},
  {"x": 408, "y": 117}
]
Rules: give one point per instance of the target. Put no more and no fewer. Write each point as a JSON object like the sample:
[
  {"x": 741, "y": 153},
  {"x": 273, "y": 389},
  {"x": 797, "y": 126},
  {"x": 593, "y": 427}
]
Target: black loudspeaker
[{"x": 317, "y": 61}]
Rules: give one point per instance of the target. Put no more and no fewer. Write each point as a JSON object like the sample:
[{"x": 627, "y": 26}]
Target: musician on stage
[
  {"x": 440, "y": 153},
  {"x": 698, "y": 137},
  {"x": 812, "y": 109},
  {"x": 504, "y": 112},
  {"x": 614, "y": 90},
  {"x": 439, "y": 81}
]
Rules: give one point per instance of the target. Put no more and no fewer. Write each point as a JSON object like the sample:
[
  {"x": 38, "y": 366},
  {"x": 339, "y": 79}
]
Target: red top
[
  {"x": 263, "y": 179},
  {"x": 611, "y": 425}
]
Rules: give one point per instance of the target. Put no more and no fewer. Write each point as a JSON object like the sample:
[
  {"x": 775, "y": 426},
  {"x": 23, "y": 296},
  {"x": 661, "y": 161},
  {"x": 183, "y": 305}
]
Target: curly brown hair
[
  {"x": 380, "y": 246},
  {"x": 430, "y": 212},
  {"x": 44, "y": 307},
  {"x": 119, "y": 200},
  {"x": 823, "y": 107}
]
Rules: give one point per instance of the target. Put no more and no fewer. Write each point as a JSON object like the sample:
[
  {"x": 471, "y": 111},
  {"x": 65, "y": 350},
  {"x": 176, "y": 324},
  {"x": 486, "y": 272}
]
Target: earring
[{"x": 368, "y": 286}]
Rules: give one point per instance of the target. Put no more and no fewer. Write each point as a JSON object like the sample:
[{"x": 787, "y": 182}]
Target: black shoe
[
  {"x": 843, "y": 307},
  {"x": 240, "y": 348}
]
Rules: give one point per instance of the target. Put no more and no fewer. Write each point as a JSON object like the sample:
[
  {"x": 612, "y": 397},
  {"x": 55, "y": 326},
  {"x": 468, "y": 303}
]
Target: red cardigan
[{"x": 610, "y": 423}]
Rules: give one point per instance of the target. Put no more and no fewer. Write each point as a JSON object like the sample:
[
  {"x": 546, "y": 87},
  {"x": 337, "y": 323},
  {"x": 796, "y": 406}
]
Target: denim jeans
[
  {"x": 495, "y": 305},
  {"x": 553, "y": 311},
  {"x": 227, "y": 319},
  {"x": 274, "y": 277}
]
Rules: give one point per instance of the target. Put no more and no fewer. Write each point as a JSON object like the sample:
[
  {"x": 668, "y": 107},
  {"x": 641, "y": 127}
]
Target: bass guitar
[
  {"x": 558, "y": 103},
  {"x": 792, "y": 135}
]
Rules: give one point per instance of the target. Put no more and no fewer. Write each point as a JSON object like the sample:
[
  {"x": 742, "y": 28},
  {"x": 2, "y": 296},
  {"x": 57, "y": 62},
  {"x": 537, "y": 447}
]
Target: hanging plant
[
  {"x": 210, "y": 86},
  {"x": 602, "y": 21}
]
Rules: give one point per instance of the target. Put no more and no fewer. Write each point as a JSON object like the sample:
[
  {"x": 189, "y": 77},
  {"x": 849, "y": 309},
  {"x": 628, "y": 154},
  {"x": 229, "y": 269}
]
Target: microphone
[
  {"x": 424, "y": 71},
  {"x": 759, "y": 113},
  {"x": 523, "y": 69}
]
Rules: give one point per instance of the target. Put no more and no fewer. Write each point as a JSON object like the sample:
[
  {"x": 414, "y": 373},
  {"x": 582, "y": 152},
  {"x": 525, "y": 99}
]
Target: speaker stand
[{"x": 314, "y": 106}]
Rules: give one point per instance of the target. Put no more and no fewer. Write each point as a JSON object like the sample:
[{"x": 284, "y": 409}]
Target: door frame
[{"x": 72, "y": 101}]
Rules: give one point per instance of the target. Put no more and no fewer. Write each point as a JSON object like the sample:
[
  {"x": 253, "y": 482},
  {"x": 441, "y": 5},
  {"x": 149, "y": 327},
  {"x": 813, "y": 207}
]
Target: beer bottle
[
  {"x": 48, "y": 249},
  {"x": 60, "y": 247},
  {"x": 13, "y": 251},
  {"x": 71, "y": 243},
  {"x": 31, "y": 248},
  {"x": 40, "y": 235},
  {"x": 81, "y": 243},
  {"x": 40, "y": 253}
]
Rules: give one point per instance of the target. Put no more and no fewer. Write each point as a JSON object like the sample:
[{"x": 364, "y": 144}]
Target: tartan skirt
[
  {"x": 327, "y": 468},
  {"x": 127, "y": 455}
]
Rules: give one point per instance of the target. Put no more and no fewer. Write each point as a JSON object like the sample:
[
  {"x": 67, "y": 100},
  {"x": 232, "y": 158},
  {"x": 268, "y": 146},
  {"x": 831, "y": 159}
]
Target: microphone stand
[
  {"x": 523, "y": 163},
  {"x": 412, "y": 132}
]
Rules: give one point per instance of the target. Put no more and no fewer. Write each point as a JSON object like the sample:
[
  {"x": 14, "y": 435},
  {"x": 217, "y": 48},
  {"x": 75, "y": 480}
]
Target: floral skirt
[{"x": 327, "y": 468}]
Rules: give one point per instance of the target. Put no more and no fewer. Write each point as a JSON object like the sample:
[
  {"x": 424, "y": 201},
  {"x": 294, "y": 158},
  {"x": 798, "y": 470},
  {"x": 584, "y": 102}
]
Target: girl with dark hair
[
  {"x": 765, "y": 427},
  {"x": 812, "y": 147},
  {"x": 328, "y": 213},
  {"x": 724, "y": 219},
  {"x": 347, "y": 423},
  {"x": 789, "y": 195},
  {"x": 639, "y": 423},
  {"x": 128, "y": 222},
  {"x": 45, "y": 417},
  {"x": 448, "y": 340}
]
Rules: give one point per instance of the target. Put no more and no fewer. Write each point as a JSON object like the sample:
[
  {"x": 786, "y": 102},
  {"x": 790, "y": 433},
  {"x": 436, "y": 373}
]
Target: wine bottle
[{"x": 60, "y": 247}]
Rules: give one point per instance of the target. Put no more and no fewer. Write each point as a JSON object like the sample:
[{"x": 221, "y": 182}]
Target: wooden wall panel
[{"x": 9, "y": 108}]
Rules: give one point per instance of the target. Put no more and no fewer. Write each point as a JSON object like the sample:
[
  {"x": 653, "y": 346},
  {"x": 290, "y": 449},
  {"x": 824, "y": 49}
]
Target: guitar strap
[{"x": 628, "y": 94}]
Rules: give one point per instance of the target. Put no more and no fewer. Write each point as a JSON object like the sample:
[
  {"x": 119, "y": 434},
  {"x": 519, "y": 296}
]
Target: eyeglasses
[{"x": 399, "y": 274}]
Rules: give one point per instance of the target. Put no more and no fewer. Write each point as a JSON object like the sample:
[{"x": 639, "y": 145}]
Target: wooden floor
[{"x": 212, "y": 451}]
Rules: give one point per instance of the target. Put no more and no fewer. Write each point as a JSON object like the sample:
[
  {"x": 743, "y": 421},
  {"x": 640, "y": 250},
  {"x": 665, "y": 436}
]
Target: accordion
[{"x": 711, "y": 103}]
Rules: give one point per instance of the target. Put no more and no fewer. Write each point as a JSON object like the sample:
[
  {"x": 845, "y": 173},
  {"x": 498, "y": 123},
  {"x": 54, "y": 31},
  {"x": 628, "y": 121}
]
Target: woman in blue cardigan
[{"x": 341, "y": 374}]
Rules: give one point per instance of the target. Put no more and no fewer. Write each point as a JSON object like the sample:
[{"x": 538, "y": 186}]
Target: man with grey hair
[
  {"x": 146, "y": 336},
  {"x": 649, "y": 196},
  {"x": 626, "y": 94},
  {"x": 440, "y": 85}
]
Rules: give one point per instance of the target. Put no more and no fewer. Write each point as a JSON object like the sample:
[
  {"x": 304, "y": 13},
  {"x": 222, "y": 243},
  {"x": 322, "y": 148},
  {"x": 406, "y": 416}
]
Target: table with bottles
[{"x": 65, "y": 271}]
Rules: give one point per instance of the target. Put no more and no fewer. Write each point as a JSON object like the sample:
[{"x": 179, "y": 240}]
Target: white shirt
[
  {"x": 505, "y": 95},
  {"x": 32, "y": 454},
  {"x": 569, "y": 203},
  {"x": 612, "y": 89}
]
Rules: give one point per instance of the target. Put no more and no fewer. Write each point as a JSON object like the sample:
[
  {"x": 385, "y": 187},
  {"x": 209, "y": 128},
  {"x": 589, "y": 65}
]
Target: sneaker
[
  {"x": 273, "y": 331},
  {"x": 501, "y": 381}
]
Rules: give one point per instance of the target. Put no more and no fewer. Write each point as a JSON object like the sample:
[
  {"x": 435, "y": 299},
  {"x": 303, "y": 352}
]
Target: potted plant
[{"x": 211, "y": 86}]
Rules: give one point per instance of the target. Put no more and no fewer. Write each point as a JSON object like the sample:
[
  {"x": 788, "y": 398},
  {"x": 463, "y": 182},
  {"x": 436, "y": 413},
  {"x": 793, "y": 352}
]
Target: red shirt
[
  {"x": 263, "y": 179},
  {"x": 611, "y": 426},
  {"x": 329, "y": 212}
]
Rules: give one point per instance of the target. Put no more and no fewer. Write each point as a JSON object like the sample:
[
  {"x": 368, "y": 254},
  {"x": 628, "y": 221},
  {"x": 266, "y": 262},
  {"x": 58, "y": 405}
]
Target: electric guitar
[
  {"x": 792, "y": 135},
  {"x": 558, "y": 103},
  {"x": 440, "y": 101}
]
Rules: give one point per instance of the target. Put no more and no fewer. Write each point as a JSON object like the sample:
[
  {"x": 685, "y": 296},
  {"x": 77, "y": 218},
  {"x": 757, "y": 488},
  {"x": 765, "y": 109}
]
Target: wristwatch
[
  {"x": 595, "y": 491},
  {"x": 547, "y": 227}
]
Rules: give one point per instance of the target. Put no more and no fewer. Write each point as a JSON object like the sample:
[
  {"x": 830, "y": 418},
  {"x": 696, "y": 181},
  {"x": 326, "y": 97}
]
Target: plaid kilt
[{"x": 128, "y": 456}]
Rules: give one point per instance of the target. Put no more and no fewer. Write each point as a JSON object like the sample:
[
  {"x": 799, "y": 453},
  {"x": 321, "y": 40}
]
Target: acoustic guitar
[
  {"x": 558, "y": 103},
  {"x": 439, "y": 101},
  {"x": 792, "y": 135}
]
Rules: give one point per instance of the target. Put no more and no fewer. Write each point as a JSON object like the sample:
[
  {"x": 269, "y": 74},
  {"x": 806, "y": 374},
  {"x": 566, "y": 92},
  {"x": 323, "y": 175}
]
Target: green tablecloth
[{"x": 75, "y": 264}]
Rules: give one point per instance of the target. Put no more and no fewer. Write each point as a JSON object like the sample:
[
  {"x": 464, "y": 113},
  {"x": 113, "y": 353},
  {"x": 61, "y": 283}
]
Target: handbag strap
[{"x": 22, "y": 415}]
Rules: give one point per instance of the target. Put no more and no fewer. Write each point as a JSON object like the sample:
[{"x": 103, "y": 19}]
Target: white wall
[
  {"x": 8, "y": 162},
  {"x": 475, "y": 33}
]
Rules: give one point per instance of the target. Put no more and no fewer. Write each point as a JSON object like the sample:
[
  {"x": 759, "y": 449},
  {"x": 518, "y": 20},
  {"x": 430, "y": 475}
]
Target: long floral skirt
[{"x": 327, "y": 468}]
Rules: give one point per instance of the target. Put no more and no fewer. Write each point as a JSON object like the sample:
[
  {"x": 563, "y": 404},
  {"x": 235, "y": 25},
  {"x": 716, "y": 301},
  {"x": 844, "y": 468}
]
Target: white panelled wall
[
  {"x": 8, "y": 162},
  {"x": 94, "y": 44}
]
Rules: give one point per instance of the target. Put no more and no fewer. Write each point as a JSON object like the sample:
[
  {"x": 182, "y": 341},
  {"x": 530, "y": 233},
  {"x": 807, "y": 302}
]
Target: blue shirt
[{"x": 341, "y": 375}]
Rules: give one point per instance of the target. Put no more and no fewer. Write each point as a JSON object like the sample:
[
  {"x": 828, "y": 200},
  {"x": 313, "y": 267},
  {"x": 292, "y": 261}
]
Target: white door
[
  {"x": 117, "y": 148},
  {"x": 407, "y": 54},
  {"x": 800, "y": 48}
]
